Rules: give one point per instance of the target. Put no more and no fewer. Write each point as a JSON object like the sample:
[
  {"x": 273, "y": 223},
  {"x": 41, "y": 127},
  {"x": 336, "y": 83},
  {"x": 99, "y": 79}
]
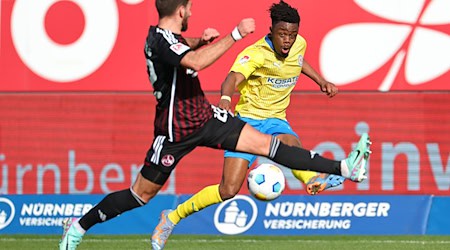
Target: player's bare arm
[
  {"x": 208, "y": 36},
  {"x": 325, "y": 86},
  {"x": 205, "y": 56},
  {"x": 231, "y": 82}
]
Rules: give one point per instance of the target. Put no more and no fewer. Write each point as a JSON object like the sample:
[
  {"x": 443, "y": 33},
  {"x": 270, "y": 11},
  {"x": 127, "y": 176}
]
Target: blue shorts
[{"x": 271, "y": 126}]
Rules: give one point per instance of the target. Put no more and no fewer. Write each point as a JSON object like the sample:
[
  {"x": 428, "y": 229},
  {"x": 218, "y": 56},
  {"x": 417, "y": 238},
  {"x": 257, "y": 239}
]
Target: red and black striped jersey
[{"x": 182, "y": 107}]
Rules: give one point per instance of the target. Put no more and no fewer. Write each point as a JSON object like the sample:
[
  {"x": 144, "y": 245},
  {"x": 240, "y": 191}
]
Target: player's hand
[
  {"x": 225, "y": 104},
  {"x": 329, "y": 88},
  {"x": 209, "y": 35},
  {"x": 246, "y": 26}
]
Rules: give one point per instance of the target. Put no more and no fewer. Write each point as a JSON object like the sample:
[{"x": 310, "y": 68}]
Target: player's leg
[
  {"x": 252, "y": 141},
  {"x": 164, "y": 159},
  {"x": 233, "y": 176},
  {"x": 224, "y": 132},
  {"x": 234, "y": 168},
  {"x": 303, "y": 176},
  {"x": 109, "y": 207},
  {"x": 147, "y": 184},
  {"x": 315, "y": 182},
  {"x": 234, "y": 172},
  {"x": 291, "y": 140},
  {"x": 163, "y": 230}
]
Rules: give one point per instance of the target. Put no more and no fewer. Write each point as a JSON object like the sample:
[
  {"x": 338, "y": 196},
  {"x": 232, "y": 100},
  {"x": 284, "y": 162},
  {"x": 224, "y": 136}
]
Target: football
[{"x": 266, "y": 182}]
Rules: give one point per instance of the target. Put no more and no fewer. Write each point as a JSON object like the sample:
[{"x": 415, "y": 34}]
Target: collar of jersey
[{"x": 268, "y": 41}]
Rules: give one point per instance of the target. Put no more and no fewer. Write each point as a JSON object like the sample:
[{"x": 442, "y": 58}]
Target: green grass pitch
[{"x": 187, "y": 242}]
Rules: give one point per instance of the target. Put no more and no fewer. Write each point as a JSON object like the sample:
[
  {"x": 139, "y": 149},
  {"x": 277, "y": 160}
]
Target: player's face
[
  {"x": 283, "y": 37},
  {"x": 187, "y": 13}
]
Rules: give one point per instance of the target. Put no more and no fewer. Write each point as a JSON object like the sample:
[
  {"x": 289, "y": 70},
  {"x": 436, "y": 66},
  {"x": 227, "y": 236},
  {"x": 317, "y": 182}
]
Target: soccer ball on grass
[{"x": 266, "y": 182}]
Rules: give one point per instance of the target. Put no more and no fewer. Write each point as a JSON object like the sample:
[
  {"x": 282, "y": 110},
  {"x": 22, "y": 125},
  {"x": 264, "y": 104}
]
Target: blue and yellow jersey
[{"x": 265, "y": 92}]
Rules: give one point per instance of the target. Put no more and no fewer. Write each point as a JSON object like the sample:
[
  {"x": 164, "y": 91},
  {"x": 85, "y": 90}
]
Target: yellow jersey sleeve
[{"x": 248, "y": 61}]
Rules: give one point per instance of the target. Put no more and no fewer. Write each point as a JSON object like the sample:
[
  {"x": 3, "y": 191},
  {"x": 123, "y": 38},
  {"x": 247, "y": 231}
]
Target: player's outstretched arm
[
  {"x": 208, "y": 36},
  {"x": 205, "y": 56},
  {"x": 325, "y": 86}
]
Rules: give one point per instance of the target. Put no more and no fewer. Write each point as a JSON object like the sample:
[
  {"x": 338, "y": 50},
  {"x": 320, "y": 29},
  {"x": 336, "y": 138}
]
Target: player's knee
[
  {"x": 146, "y": 197},
  {"x": 147, "y": 194},
  {"x": 253, "y": 141},
  {"x": 144, "y": 189}
]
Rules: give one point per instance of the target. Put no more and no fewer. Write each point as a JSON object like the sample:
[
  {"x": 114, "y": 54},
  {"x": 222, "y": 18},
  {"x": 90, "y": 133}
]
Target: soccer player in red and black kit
[{"x": 185, "y": 119}]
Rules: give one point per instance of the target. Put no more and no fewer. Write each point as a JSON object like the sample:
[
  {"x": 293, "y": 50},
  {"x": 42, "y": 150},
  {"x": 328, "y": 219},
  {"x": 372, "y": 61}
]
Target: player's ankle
[{"x": 345, "y": 172}]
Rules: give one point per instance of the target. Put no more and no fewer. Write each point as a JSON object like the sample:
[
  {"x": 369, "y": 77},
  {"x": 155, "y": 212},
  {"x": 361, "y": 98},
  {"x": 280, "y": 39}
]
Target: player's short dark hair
[
  {"x": 283, "y": 12},
  {"x": 168, "y": 7}
]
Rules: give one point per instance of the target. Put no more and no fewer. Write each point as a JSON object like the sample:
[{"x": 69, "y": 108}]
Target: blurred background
[{"x": 76, "y": 114}]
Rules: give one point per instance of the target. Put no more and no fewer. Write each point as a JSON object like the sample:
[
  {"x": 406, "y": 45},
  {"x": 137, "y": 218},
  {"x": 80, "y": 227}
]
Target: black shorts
[{"x": 220, "y": 132}]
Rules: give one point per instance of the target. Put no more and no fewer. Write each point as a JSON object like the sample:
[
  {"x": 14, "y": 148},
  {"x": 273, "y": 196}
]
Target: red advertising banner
[
  {"x": 95, "y": 143},
  {"x": 75, "y": 45}
]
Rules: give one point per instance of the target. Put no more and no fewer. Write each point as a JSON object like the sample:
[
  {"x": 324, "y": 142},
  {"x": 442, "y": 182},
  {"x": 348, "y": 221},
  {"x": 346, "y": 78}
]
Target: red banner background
[
  {"x": 95, "y": 143},
  {"x": 122, "y": 68}
]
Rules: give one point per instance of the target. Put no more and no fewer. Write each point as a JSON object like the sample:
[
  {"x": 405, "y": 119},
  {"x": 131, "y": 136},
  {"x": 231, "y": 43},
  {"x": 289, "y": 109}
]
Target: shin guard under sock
[
  {"x": 112, "y": 205},
  {"x": 301, "y": 159}
]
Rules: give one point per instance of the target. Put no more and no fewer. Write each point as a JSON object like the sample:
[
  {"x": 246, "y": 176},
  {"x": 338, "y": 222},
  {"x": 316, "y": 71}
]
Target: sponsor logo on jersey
[{"x": 282, "y": 83}]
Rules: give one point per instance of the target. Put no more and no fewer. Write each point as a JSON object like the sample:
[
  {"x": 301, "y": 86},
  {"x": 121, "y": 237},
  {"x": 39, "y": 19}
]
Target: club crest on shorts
[{"x": 168, "y": 160}]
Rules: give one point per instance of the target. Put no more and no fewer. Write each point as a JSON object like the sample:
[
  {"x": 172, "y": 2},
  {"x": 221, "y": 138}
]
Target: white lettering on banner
[
  {"x": 112, "y": 167},
  {"x": 51, "y": 214},
  {"x": 307, "y": 224},
  {"x": 75, "y": 168},
  {"x": 53, "y": 209},
  {"x": 326, "y": 209},
  {"x": 41, "y": 169},
  {"x": 41, "y": 222}
]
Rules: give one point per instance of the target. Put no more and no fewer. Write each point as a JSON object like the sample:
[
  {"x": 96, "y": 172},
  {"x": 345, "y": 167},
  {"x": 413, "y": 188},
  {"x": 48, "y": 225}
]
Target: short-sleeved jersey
[
  {"x": 182, "y": 107},
  {"x": 269, "y": 80}
]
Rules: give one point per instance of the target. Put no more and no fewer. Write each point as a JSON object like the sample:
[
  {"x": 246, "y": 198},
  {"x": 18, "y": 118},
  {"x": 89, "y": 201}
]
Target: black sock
[
  {"x": 301, "y": 159},
  {"x": 112, "y": 205}
]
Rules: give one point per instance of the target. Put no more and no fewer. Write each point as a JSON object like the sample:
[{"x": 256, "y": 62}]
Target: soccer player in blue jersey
[{"x": 185, "y": 119}]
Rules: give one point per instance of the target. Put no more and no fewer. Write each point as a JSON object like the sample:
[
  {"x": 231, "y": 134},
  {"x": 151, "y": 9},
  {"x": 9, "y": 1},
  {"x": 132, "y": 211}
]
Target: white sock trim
[
  {"x": 137, "y": 197},
  {"x": 78, "y": 227},
  {"x": 345, "y": 172}
]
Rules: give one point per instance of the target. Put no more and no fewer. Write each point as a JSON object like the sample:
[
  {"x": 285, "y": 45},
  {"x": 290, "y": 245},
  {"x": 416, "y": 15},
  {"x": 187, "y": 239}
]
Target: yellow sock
[
  {"x": 303, "y": 176},
  {"x": 206, "y": 197}
]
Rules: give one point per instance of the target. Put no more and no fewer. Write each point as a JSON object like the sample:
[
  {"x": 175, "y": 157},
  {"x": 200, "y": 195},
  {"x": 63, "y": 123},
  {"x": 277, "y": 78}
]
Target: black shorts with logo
[{"x": 220, "y": 132}]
